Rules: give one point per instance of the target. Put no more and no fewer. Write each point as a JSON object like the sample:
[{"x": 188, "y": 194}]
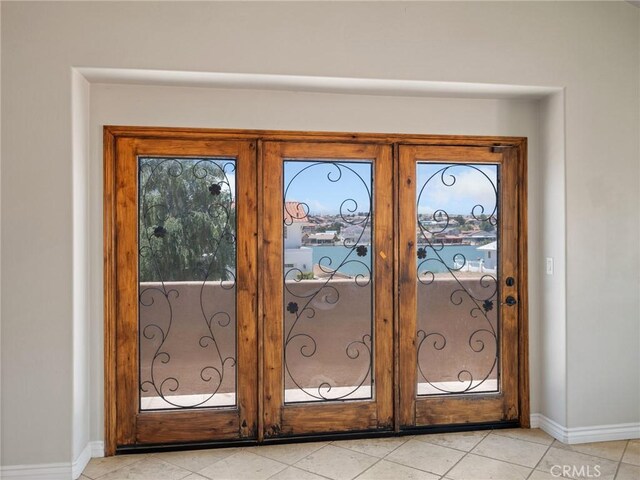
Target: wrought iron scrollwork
[
  {"x": 186, "y": 233},
  {"x": 431, "y": 262},
  {"x": 298, "y": 344}
]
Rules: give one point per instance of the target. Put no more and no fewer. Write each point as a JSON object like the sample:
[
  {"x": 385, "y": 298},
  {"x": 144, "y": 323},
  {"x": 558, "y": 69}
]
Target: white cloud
[{"x": 470, "y": 188}]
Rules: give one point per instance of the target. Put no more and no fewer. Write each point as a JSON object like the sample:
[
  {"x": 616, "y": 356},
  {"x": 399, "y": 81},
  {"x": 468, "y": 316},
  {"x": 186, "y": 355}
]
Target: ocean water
[{"x": 334, "y": 256}]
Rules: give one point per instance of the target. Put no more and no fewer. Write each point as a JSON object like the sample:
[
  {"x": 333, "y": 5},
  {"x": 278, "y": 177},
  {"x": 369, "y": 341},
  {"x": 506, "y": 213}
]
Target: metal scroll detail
[
  {"x": 186, "y": 248},
  {"x": 472, "y": 296},
  {"x": 304, "y": 296}
]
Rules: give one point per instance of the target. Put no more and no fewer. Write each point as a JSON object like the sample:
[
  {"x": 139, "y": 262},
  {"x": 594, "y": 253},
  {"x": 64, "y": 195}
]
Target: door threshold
[{"x": 326, "y": 437}]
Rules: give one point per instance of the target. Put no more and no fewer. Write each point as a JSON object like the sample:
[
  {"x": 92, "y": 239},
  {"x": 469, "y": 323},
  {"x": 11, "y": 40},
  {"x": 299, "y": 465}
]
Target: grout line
[
  {"x": 142, "y": 457},
  {"x": 258, "y": 448},
  {"x": 362, "y": 453},
  {"x": 454, "y": 448},
  {"x": 414, "y": 467},
  {"x": 495, "y": 432},
  {"x": 302, "y": 470},
  {"x": 472, "y": 451},
  {"x": 368, "y": 468},
  {"x": 501, "y": 460},
  {"x": 155, "y": 455},
  {"x": 307, "y": 456},
  {"x": 455, "y": 464},
  {"x": 384, "y": 457},
  {"x": 624, "y": 450},
  {"x": 567, "y": 447},
  {"x": 539, "y": 461}
]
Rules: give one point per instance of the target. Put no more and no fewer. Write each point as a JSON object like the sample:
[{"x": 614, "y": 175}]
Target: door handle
[{"x": 511, "y": 301}]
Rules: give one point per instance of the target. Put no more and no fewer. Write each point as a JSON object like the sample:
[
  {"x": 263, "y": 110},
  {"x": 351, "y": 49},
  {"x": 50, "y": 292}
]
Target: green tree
[
  {"x": 187, "y": 220},
  {"x": 486, "y": 226},
  {"x": 337, "y": 226},
  {"x": 460, "y": 219}
]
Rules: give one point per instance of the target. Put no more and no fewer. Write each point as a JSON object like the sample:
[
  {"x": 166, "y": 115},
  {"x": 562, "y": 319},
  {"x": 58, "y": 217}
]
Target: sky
[
  {"x": 308, "y": 183},
  {"x": 468, "y": 187},
  {"x": 311, "y": 183}
]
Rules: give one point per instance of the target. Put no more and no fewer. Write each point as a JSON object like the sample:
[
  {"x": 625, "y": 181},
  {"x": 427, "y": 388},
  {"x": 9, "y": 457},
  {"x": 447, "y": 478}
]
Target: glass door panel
[
  {"x": 328, "y": 321},
  {"x": 187, "y": 283},
  {"x": 328, "y": 283},
  {"x": 456, "y": 274}
]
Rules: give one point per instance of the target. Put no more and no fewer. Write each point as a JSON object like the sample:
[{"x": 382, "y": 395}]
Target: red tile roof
[{"x": 295, "y": 212}]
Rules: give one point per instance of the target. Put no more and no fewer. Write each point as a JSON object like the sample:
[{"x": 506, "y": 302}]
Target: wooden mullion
[
  {"x": 383, "y": 258},
  {"x": 407, "y": 289},
  {"x": 246, "y": 293},
  {"x": 272, "y": 287},
  {"x": 260, "y": 283}
]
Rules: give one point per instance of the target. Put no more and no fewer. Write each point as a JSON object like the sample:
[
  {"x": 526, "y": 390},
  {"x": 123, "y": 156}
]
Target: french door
[
  {"x": 458, "y": 287},
  {"x": 327, "y": 304},
  {"x": 264, "y": 285},
  {"x": 185, "y": 306}
]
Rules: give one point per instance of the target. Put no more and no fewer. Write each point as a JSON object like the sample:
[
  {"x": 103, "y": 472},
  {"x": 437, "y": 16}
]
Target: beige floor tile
[
  {"x": 458, "y": 440},
  {"x": 101, "y": 466},
  {"x": 148, "y": 469},
  {"x": 293, "y": 473},
  {"x": 195, "y": 476},
  {"x": 196, "y": 460},
  {"x": 529, "y": 434},
  {"x": 336, "y": 463},
  {"x": 577, "y": 463},
  {"x": 288, "y": 453},
  {"x": 512, "y": 450},
  {"x": 628, "y": 472},
  {"x": 426, "y": 456},
  {"x": 632, "y": 454},
  {"x": 243, "y": 465},
  {"x": 384, "y": 470},
  {"x": 538, "y": 475},
  {"x": 377, "y": 447},
  {"x": 473, "y": 467},
  {"x": 609, "y": 450}
]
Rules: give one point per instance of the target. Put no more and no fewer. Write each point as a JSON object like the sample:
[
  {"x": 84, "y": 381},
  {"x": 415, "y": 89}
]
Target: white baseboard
[
  {"x": 97, "y": 449},
  {"x": 79, "y": 464},
  {"x": 45, "y": 471},
  {"x": 54, "y": 471},
  {"x": 596, "y": 433}
]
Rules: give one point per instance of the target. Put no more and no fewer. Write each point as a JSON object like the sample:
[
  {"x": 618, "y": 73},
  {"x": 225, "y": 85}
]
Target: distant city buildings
[{"x": 303, "y": 232}]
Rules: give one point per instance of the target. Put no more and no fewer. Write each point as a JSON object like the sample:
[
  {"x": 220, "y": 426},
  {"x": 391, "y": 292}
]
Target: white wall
[
  {"x": 294, "y": 236},
  {"x": 220, "y": 108},
  {"x": 590, "y": 49}
]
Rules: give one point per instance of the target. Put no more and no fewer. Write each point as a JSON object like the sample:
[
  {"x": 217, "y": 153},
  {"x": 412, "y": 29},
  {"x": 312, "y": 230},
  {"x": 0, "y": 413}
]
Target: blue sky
[
  {"x": 323, "y": 196},
  {"x": 471, "y": 187},
  {"x": 313, "y": 187}
]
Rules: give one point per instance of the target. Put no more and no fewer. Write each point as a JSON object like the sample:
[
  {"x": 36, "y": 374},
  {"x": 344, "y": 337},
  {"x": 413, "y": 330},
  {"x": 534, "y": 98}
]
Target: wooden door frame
[{"x": 112, "y": 133}]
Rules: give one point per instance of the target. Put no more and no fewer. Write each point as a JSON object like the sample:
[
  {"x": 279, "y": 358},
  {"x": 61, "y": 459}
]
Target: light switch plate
[{"x": 549, "y": 266}]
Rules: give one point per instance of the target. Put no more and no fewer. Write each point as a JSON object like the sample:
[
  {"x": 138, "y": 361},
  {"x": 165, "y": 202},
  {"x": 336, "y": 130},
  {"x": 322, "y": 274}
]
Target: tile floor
[{"x": 514, "y": 454}]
